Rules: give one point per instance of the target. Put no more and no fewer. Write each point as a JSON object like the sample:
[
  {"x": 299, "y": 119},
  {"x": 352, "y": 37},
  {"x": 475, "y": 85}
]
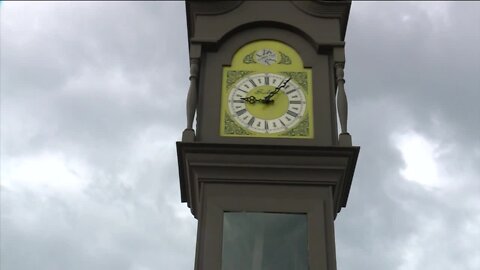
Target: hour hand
[{"x": 251, "y": 99}]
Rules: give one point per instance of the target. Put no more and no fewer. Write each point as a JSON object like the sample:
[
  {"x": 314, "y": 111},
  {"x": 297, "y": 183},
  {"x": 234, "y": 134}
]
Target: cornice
[
  {"x": 326, "y": 9},
  {"x": 215, "y": 7},
  {"x": 328, "y": 166}
]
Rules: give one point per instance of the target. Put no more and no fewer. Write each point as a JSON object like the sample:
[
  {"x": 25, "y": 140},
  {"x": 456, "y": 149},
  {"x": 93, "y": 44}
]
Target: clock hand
[
  {"x": 251, "y": 99},
  {"x": 277, "y": 89},
  {"x": 267, "y": 99}
]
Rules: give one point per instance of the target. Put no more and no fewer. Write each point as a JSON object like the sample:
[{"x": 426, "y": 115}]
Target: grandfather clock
[{"x": 266, "y": 169}]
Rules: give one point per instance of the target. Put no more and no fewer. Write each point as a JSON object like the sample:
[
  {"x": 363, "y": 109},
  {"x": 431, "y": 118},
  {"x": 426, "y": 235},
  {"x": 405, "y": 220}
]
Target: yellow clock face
[{"x": 266, "y": 92}]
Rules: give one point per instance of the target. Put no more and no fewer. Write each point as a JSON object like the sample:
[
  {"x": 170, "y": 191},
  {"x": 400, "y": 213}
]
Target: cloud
[
  {"x": 419, "y": 157},
  {"x": 88, "y": 159},
  {"x": 92, "y": 101},
  {"x": 413, "y": 123}
]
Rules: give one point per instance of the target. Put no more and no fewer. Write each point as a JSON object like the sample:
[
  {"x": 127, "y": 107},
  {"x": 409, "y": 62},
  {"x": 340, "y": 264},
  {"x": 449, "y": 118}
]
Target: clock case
[
  {"x": 217, "y": 29},
  {"x": 281, "y": 175}
]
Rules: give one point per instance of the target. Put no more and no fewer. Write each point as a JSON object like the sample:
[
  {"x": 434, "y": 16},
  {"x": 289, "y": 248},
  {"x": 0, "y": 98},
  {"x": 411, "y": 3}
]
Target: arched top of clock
[
  {"x": 262, "y": 24},
  {"x": 267, "y": 55},
  {"x": 301, "y": 48},
  {"x": 210, "y": 27}
]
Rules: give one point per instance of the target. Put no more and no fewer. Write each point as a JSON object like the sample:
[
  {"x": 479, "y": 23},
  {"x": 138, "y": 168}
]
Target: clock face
[
  {"x": 267, "y": 92},
  {"x": 284, "y": 110}
]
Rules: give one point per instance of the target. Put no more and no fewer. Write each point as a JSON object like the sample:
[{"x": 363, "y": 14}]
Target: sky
[{"x": 92, "y": 101}]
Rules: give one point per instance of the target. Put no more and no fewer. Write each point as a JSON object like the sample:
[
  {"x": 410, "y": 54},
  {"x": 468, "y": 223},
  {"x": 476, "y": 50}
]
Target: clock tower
[{"x": 266, "y": 170}]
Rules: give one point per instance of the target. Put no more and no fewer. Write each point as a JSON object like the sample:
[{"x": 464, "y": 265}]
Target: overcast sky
[{"x": 92, "y": 102}]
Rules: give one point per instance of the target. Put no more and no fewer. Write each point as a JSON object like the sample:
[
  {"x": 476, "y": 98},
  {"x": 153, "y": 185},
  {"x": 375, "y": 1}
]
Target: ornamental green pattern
[
  {"x": 301, "y": 130},
  {"x": 249, "y": 59},
  {"x": 234, "y": 76},
  {"x": 284, "y": 59},
  {"x": 231, "y": 128},
  {"x": 300, "y": 78}
]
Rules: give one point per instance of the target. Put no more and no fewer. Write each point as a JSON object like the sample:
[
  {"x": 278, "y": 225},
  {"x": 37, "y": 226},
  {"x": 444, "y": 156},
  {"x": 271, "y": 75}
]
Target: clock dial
[
  {"x": 282, "y": 112},
  {"x": 267, "y": 92},
  {"x": 266, "y": 57}
]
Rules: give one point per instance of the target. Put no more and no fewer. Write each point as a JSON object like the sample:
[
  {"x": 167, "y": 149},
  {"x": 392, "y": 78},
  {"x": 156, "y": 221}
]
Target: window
[{"x": 264, "y": 241}]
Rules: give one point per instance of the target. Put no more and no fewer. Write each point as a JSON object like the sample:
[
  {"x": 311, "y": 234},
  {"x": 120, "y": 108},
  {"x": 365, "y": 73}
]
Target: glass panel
[{"x": 264, "y": 241}]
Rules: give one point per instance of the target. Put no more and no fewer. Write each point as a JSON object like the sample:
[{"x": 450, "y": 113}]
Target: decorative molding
[
  {"x": 213, "y": 7},
  {"x": 323, "y": 8},
  {"x": 201, "y": 163},
  {"x": 326, "y": 9}
]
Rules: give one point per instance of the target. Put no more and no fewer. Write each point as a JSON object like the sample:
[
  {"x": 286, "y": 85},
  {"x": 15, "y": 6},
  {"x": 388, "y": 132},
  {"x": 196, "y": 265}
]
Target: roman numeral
[
  {"x": 250, "y": 123},
  {"x": 267, "y": 80},
  {"x": 239, "y": 113},
  {"x": 295, "y": 102},
  {"x": 241, "y": 90},
  {"x": 241, "y": 101},
  {"x": 291, "y": 91},
  {"x": 253, "y": 83},
  {"x": 266, "y": 125},
  {"x": 294, "y": 114}
]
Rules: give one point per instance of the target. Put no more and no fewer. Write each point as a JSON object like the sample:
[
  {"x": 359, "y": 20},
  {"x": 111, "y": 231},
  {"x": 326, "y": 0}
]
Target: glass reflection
[{"x": 264, "y": 241}]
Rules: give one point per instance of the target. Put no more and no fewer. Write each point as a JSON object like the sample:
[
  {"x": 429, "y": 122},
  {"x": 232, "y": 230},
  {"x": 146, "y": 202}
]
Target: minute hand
[{"x": 277, "y": 89}]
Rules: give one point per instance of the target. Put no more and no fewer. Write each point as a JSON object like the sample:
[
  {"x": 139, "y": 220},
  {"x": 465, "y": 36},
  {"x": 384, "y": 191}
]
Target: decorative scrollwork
[
  {"x": 249, "y": 58},
  {"x": 301, "y": 130},
  {"x": 231, "y": 128},
  {"x": 234, "y": 76},
  {"x": 284, "y": 59},
  {"x": 299, "y": 77}
]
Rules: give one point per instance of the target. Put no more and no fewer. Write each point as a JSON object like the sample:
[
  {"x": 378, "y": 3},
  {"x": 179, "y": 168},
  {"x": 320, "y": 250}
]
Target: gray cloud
[
  {"x": 412, "y": 68},
  {"x": 95, "y": 92},
  {"x": 82, "y": 80}
]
